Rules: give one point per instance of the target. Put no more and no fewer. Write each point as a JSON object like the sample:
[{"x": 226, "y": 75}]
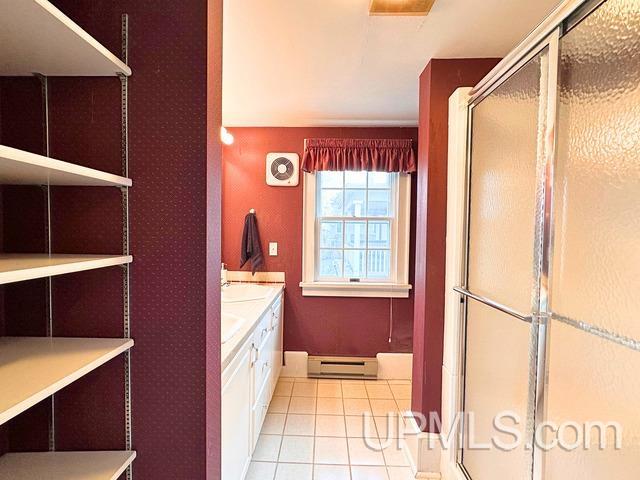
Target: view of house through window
[{"x": 355, "y": 217}]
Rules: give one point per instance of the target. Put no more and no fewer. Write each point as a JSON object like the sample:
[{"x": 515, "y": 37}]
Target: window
[{"x": 356, "y": 234}]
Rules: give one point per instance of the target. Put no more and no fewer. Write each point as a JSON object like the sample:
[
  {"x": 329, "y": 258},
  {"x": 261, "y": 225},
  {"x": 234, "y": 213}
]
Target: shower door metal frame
[
  {"x": 537, "y": 318},
  {"x": 546, "y": 36}
]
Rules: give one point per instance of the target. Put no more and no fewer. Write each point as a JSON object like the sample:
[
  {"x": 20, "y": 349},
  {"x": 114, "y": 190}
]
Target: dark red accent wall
[
  {"x": 318, "y": 325},
  {"x": 175, "y": 108},
  {"x": 437, "y": 82}
]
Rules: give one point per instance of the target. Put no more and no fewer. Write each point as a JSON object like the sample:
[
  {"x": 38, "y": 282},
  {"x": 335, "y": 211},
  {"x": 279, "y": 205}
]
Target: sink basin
[
  {"x": 245, "y": 292},
  {"x": 230, "y": 325}
]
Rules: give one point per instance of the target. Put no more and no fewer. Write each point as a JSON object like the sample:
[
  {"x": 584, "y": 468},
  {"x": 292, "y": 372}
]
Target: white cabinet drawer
[
  {"x": 262, "y": 331},
  {"x": 263, "y": 365}
]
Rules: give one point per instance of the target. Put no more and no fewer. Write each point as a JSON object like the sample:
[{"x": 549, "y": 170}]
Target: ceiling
[{"x": 328, "y": 63}]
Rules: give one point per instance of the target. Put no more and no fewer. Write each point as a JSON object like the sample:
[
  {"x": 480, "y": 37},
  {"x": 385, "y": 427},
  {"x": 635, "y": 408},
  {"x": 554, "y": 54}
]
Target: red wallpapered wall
[
  {"x": 174, "y": 237},
  {"x": 318, "y": 325},
  {"x": 437, "y": 82}
]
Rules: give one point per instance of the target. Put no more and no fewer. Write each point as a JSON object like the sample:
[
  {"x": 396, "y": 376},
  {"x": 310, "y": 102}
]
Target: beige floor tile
[
  {"x": 394, "y": 456},
  {"x": 303, "y": 405},
  {"x": 361, "y": 426},
  {"x": 369, "y": 473},
  {"x": 331, "y": 451},
  {"x": 279, "y": 405},
  {"x": 331, "y": 472},
  {"x": 389, "y": 426},
  {"x": 273, "y": 424},
  {"x": 399, "y": 382},
  {"x": 356, "y": 406},
  {"x": 294, "y": 471},
  {"x": 382, "y": 407},
  {"x": 400, "y": 473},
  {"x": 404, "y": 405},
  {"x": 352, "y": 382},
  {"x": 328, "y": 380},
  {"x": 401, "y": 392},
  {"x": 283, "y": 389},
  {"x": 287, "y": 379},
  {"x": 330, "y": 406},
  {"x": 306, "y": 380},
  {"x": 267, "y": 448},
  {"x": 330, "y": 390},
  {"x": 296, "y": 449},
  {"x": 330, "y": 426},
  {"x": 354, "y": 390},
  {"x": 304, "y": 389},
  {"x": 261, "y": 471},
  {"x": 379, "y": 390},
  {"x": 300, "y": 425},
  {"x": 365, "y": 451}
]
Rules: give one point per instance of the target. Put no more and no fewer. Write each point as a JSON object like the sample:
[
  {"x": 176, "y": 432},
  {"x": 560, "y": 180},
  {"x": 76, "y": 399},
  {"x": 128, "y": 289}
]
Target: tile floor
[{"x": 333, "y": 430}]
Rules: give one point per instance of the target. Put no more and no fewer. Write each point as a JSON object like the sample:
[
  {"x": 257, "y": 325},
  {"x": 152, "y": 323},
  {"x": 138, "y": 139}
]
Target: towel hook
[{"x": 252, "y": 210}]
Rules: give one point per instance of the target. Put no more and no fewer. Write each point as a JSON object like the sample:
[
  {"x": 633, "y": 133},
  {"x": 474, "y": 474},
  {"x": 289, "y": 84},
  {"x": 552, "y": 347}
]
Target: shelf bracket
[{"x": 124, "y": 146}]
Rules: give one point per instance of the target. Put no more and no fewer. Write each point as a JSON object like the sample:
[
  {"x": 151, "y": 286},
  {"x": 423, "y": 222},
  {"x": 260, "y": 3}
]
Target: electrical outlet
[{"x": 273, "y": 249}]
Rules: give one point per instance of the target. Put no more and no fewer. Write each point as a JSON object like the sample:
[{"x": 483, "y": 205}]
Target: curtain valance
[{"x": 374, "y": 155}]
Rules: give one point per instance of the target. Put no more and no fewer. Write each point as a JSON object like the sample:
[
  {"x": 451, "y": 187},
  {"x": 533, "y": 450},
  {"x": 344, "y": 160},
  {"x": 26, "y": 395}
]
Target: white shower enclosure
[{"x": 549, "y": 291}]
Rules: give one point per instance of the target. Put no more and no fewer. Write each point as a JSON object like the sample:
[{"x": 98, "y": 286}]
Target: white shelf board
[
  {"x": 18, "y": 167},
  {"x": 65, "y": 465},
  {"x": 17, "y": 267},
  {"x": 34, "y": 368},
  {"x": 36, "y": 37}
]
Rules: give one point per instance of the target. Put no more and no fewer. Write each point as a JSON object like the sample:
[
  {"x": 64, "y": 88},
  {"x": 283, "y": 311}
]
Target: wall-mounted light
[{"x": 225, "y": 136}]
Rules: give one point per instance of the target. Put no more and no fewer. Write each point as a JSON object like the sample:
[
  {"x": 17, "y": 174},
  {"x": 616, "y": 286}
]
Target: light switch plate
[{"x": 273, "y": 249}]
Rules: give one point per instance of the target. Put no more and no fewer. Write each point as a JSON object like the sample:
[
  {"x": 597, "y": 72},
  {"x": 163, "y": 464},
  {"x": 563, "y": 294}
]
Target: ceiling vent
[
  {"x": 283, "y": 169},
  {"x": 400, "y": 7}
]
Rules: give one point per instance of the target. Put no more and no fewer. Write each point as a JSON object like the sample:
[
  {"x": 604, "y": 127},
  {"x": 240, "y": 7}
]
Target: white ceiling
[{"x": 328, "y": 63}]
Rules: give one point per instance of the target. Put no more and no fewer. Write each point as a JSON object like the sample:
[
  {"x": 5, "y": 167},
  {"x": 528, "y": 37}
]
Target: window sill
[{"x": 329, "y": 289}]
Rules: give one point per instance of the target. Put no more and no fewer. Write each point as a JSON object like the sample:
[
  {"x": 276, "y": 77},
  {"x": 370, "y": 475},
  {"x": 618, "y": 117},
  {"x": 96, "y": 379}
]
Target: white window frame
[{"x": 397, "y": 287}]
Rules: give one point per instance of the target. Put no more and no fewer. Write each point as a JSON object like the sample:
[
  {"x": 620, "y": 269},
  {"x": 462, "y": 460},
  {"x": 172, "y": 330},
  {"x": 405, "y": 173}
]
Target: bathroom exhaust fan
[{"x": 283, "y": 169}]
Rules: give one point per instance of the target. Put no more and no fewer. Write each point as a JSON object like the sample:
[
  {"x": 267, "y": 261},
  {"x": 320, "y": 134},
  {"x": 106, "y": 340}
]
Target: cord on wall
[{"x": 390, "y": 319}]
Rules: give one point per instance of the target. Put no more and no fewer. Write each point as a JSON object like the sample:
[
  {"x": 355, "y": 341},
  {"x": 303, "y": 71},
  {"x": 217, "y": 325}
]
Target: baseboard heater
[{"x": 342, "y": 367}]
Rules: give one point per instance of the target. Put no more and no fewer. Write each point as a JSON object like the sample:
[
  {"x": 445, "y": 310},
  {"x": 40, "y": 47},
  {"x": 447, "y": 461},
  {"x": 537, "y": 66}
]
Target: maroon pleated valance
[{"x": 373, "y": 155}]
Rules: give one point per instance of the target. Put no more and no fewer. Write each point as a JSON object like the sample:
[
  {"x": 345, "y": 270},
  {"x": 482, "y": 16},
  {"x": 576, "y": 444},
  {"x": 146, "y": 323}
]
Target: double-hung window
[{"x": 356, "y": 234}]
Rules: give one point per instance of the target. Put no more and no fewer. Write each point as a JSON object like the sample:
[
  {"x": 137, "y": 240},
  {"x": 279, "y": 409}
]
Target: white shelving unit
[
  {"x": 36, "y": 37},
  {"x": 17, "y": 267},
  {"x": 18, "y": 167},
  {"x": 65, "y": 465},
  {"x": 33, "y": 368}
]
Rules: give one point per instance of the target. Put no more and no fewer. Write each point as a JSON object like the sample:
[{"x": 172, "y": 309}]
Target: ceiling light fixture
[
  {"x": 400, "y": 7},
  {"x": 225, "y": 136}
]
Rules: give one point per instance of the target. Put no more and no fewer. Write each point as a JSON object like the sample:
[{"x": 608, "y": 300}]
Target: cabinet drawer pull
[{"x": 253, "y": 358}]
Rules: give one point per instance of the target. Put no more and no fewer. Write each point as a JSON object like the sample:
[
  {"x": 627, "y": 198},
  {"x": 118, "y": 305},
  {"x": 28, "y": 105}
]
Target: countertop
[{"x": 251, "y": 311}]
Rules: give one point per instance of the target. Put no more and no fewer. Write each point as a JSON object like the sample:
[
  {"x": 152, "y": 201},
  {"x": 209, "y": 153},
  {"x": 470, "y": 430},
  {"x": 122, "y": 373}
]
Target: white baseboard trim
[
  {"x": 295, "y": 364},
  {"x": 391, "y": 366},
  {"x": 395, "y": 366},
  {"x": 423, "y": 450}
]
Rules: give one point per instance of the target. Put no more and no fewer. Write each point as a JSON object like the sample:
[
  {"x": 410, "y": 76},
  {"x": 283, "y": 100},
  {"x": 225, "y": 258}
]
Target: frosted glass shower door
[
  {"x": 507, "y": 128},
  {"x": 594, "y": 338}
]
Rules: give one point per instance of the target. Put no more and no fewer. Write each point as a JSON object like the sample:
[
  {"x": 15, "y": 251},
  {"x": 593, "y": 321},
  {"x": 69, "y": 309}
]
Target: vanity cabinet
[
  {"x": 248, "y": 383},
  {"x": 236, "y": 414}
]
